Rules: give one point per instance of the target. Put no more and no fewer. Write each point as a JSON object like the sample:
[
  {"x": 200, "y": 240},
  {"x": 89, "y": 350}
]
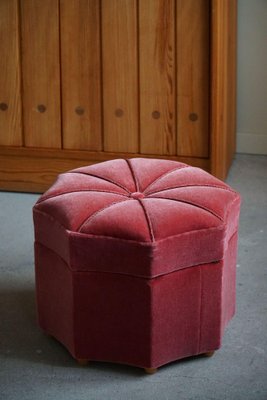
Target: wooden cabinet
[{"x": 83, "y": 81}]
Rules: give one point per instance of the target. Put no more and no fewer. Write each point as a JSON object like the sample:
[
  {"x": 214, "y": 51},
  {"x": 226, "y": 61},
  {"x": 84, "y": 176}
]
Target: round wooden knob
[
  {"x": 119, "y": 112},
  {"x": 79, "y": 110},
  {"x": 3, "y": 106},
  {"x": 41, "y": 108},
  {"x": 156, "y": 114},
  {"x": 193, "y": 117}
]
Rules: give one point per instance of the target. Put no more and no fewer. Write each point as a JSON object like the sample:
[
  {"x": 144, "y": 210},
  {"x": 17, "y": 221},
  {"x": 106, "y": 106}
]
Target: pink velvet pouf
[{"x": 135, "y": 261}]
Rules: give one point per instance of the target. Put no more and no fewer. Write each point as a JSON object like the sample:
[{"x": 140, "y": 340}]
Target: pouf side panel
[
  {"x": 108, "y": 254},
  {"x": 54, "y": 295},
  {"x": 189, "y": 249},
  {"x": 175, "y": 315},
  {"x": 51, "y": 234},
  {"x": 112, "y": 318},
  {"x": 211, "y": 307},
  {"x": 88, "y": 252},
  {"x": 232, "y": 218},
  {"x": 229, "y": 282},
  {"x": 223, "y": 300}
]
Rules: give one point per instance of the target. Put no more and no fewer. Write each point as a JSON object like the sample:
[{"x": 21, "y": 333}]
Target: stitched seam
[
  {"x": 99, "y": 177},
  {"x": 192, "y": 204},
  {"x": 137, "y": 187},
  {"x": 142, "y": 243},
  {"x": 138, "y": 276},
  {"x": 36, "y": 210},
  {"x": 195, "y": 185},
  {"x": 149, "y": 277},
  {"x": 172, "y": 237},
  {"x": 98, "y": 212},
  {"x": 166, "y": 173},
  {"x": 148, "y": 220},
  {"x": 80, "y": 191},
  {"x": 235, "y": 200}
]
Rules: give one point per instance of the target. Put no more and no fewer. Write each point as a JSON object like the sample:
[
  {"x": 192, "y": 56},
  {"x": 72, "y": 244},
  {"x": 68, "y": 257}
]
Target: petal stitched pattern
[{"x": 137, "y": 199}]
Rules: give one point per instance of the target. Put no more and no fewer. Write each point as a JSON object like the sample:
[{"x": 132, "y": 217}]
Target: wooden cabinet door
[
  {"x": 84, "y": 81},
  {"x": 193, "y": 72},
  {"x": 40, "y": 73},
  {"x": 120, "y": 75},
  {"x": 10, "y": 88},
  {"x": 81, "y": 74},
  {"x": 157, "y": 77},
  {"x": 135, "y": 76}
]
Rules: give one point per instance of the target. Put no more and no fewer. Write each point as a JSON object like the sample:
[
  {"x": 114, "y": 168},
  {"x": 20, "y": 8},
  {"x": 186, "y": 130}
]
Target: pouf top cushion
[{"x": 144, "y": 203}]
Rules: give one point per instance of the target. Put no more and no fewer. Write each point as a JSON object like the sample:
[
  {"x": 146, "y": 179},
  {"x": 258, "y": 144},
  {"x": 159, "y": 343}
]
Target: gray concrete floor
[{"x": 33, "y": 366}]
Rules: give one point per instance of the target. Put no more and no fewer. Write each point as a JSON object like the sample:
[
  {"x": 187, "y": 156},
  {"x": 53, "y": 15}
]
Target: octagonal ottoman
[{"x": 135, "y": 261}]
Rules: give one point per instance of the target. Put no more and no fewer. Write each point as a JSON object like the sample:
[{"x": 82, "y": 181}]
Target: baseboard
[
  {"x": 34, "y": 170},
  {"x": 251, "y": 143}
]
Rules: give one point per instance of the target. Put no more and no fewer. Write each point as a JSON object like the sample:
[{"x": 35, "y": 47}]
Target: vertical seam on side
[{"x": 200, "y": 311}]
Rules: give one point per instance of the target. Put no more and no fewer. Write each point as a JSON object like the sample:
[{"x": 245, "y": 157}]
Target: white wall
[{"x": 252, "y": 77}]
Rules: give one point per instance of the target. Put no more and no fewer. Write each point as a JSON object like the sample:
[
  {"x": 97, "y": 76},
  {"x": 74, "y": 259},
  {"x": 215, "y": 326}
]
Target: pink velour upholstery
[{"x": 135, "y": 261}]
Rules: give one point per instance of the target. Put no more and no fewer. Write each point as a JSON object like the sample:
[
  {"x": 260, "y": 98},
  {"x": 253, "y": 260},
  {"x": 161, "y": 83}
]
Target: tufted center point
[{"x": 137, "y": 195}]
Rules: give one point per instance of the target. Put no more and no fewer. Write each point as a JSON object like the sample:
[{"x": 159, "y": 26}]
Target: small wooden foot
[
  {"x": 209, "y": 353},
  {"x": 151, "y": 370},
  {"x": 82, "y": 361}
]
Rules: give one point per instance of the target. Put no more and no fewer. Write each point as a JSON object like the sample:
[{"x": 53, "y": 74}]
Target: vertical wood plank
[
  {"x": 80, "y": 67},
  {"x": 193, "y": 77},
  {"x": 10, "y": 100},
  {"x": 120, "y": 75},
  {"x": 230, "y": 82},
  {"x": 157, "y": 76},
  {"x": 223, "y": 88},
  {"x": 40, "y": 73}
]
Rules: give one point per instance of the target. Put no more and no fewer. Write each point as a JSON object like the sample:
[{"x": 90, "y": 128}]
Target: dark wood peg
[
  {"x": 41, "y": 108},
  {"x": 79, "y": 110},
  {"x": 193, "y": 117},
  {"x": 156, "y": 114},
  {"x": 3, "y": 106},
  {"x": 119, "y": 112}
]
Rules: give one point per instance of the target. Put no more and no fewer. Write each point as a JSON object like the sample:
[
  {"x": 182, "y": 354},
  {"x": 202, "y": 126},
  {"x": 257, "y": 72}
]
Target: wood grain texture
[
  {"x": 230, "y": 79},
  {"x": 193, "y": 77},
  {"x": 10, "y": 100},
  {"x": 40, "y": 72},
  {"x": 34, "y": 170},
  {"x": 120, "y": 75},
  {"x": 157, "y": 76},
  {"x": 80, "y": 67},
  {"x": 223, "y": 89}
]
